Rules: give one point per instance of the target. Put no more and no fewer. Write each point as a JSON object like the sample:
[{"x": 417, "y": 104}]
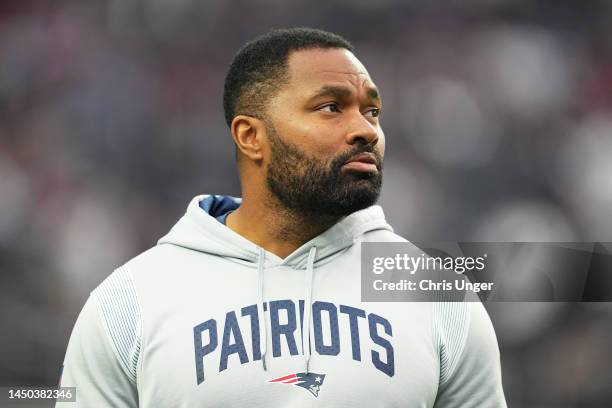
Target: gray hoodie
[{"x": 208, "y": 318}]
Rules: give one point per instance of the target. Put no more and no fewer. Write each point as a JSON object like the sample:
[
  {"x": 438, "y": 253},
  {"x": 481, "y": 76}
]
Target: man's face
[{"x": 326, "y": 146}]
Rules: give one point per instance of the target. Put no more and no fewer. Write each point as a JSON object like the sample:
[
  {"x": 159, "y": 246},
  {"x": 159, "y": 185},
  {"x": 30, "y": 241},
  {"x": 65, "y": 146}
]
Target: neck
[{"x": 276, "y": 228}]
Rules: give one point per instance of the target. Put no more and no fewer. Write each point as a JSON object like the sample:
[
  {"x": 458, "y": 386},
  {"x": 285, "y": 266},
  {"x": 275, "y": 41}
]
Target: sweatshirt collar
[{"x": 200, "y": 231}]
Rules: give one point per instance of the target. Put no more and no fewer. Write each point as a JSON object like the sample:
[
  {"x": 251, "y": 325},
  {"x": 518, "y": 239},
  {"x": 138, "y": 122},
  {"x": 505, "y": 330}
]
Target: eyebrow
[
  {"x": 373, "y": 93},
  {"x": 341, "y": 92}
]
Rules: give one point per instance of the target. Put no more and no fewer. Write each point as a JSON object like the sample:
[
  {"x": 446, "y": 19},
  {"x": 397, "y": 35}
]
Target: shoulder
[
  {"x": 156, "y": 257},
  {"x": 119, "y": 305},
  {"x": 162, "y": 260}
]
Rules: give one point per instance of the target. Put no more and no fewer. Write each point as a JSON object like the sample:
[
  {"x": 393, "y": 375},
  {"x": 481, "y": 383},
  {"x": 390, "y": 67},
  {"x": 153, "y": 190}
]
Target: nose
[{"x": 362, "y": 131}]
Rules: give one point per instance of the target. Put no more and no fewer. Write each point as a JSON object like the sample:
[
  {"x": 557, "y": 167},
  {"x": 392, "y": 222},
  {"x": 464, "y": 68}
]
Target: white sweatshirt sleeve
[
  {"x": 102, "y": 356},
  {"x": 470, "y": 371}
]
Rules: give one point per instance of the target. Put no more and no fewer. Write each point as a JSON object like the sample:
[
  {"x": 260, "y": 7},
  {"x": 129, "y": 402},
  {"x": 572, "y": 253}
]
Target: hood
[{"x": 199, "y": 230}]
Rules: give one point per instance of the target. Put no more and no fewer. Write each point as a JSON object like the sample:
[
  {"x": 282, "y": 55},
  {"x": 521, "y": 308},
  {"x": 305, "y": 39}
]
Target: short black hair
[{"x": 260, "y": 67}]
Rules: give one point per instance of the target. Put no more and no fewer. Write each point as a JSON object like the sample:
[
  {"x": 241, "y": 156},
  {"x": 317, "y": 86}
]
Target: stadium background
[{"x": 498, "y": 117}]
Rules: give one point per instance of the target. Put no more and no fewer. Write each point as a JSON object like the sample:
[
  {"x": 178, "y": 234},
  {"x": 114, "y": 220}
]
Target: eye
[
  {"x": 330, "y": 107},
  {"x": 374, "y": 112}
]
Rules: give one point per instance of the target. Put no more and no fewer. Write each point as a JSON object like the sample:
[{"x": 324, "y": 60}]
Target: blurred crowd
[{"x": 497, "y": 113}]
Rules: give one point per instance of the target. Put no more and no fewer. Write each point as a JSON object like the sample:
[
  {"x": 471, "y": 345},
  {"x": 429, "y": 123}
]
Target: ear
[{"x": 248, "y": 133}]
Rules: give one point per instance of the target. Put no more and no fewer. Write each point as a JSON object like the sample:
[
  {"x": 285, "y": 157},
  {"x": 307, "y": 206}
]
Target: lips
[
  {"x": 363, "y": 158},
  {"x": 362, "y": 162}
]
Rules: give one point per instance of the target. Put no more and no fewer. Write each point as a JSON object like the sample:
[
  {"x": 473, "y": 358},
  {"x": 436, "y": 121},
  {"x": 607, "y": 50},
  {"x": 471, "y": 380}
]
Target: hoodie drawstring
[
  {"x": 306, "y": 322},
  {"x": 263, "y": 332}
]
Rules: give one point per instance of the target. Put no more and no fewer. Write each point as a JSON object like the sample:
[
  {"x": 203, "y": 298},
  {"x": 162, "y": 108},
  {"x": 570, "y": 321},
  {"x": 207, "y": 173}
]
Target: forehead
[{"x": 313, "y": 67}]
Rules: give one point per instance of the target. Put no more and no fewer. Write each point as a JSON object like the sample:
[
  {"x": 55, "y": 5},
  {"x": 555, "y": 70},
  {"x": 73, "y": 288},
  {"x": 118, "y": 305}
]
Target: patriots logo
[{"x": 309, "y": 381}]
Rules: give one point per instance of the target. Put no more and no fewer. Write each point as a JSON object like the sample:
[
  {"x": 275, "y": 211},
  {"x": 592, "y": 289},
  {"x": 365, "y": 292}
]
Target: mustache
[{"x": 361, "y": 148}]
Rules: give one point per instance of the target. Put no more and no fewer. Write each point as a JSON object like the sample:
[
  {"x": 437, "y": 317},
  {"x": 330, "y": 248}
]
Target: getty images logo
[{"x": 309, "y": 381}]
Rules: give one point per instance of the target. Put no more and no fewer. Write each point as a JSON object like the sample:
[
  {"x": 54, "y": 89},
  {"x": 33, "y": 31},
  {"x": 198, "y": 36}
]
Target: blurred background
[{"x": 498, "y": 117}]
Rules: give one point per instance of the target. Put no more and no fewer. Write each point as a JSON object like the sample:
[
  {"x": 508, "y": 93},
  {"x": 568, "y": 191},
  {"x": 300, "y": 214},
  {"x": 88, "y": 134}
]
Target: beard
[{"x": 313, "y": 187}]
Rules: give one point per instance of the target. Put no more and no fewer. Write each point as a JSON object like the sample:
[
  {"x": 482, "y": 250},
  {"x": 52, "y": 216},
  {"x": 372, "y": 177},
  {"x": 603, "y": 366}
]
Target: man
[{"x": 256, "y": 302}]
